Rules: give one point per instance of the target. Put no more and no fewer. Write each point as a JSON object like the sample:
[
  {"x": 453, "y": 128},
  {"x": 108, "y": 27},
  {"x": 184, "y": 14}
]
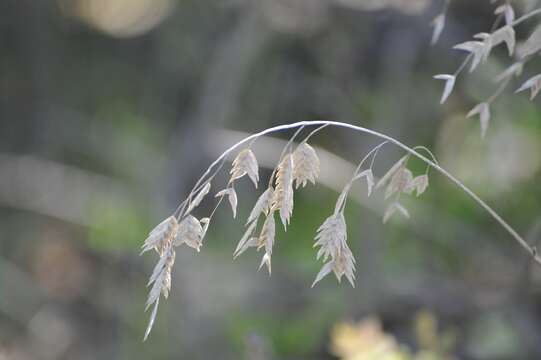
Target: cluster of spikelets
[
  {"x": 296, "y": 168},
  {"x": 480, "y": 48}
]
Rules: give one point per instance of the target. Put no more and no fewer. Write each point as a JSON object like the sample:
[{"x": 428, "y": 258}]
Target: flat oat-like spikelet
[
  {"x": 190, "y": 233},
  {"x": 266, "y": 240},
  {"x": 483, "y": 110},
  {"x": 262, "y": 205},
  {"x": 534, "y": 84},
  {"x": 393, "y": 209},
  {"x": 505, "y": 35},
  {"x": 247, "y": 240},
  {"x": 161, "y": 236},
  {"x": 332, "y": 239},
  {"x": 198, "y": 198},
  {"x": 306, "y": 164},
  {"x": 282, "y": 199},
  {"x": 232, "y": 196},
  {"x": 245, "y": 164},
  {"x": 160, "y": 280},
  {"x": 396, "y": 167},
  {"x": 400, "y": 182},
  {"x": 418, "y": 184}
]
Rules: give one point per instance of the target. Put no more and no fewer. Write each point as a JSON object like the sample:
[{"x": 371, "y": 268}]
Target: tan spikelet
[
  {"x": 306, "y": 164},
  {"x": 393, "y": 209},
  {"x": 247, "y": 240},
  {"x": 332, "y": 239},
  {"x": 400, "y": 182},
  {"x": 160, "y": 280},
  {"x": 198, "y": 198},
  {"x": 266, "y": 240},
  {"x": 387, "y": 177},
  {"x": 282, "y": 199},
  {"x": 245, "y": 164},
  {"x": 205, "y": 222},
  {"x": 419, "y": 184},
  {"x": 189, "y": 232},
  {"x": 161, "y": 236},
  {"x": 232, "y": 197},
  {"x": 262, "y": 205}
]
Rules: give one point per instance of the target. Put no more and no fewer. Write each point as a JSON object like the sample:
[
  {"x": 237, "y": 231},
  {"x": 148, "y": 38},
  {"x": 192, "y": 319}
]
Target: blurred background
[{"x": 111, "y": 109}]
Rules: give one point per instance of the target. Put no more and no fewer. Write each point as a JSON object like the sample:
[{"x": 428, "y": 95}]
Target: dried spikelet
[
  {"x": 198, "y": 198},
  {"x": 205, "y": 226},
  {"x": 306, "y": 164},
  {"x": 266, "y": 240},
  {"x": 232, "y": 196},
  {"x": 533, "y": 44},
  {"x": 282, "y": 198},
  {"x": 160, "y": 280},
  {"x": 449, "y": 85},
  {"x": 438, "y": 24},
  {"x": 247, "y": 240},
  {"x": 399, "y": 182},
  {"x": 483, "y": 110},
  {"x": 392, "y": 209},
  {"x": 161, "y": 236},
  {"x": 190, "y": 233},
  {"x": 389, "y": 174},
  {"x": 486, "y": 40},
  {"x": 262, "y": 205},
  {"x": 476, "y": 48},
  {"x": 332, "y": 239},
  {"x": 245, "y": 164},
  {"x": 534, "y": 84},
  {"x": 419, "y": 184},
  {"x": 505, "y": 35},
  {"x": 369, "y": 175}
]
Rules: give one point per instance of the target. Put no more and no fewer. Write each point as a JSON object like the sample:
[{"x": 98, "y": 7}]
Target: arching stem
[{"x": 531, "y": 250}]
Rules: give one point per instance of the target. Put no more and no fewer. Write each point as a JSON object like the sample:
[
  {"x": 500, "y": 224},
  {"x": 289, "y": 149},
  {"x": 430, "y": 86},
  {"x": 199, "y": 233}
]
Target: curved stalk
[{"x": 514, "y": 234}]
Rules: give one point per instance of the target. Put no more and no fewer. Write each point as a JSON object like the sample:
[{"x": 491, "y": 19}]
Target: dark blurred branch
[{"x": 220, "y": 92}]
